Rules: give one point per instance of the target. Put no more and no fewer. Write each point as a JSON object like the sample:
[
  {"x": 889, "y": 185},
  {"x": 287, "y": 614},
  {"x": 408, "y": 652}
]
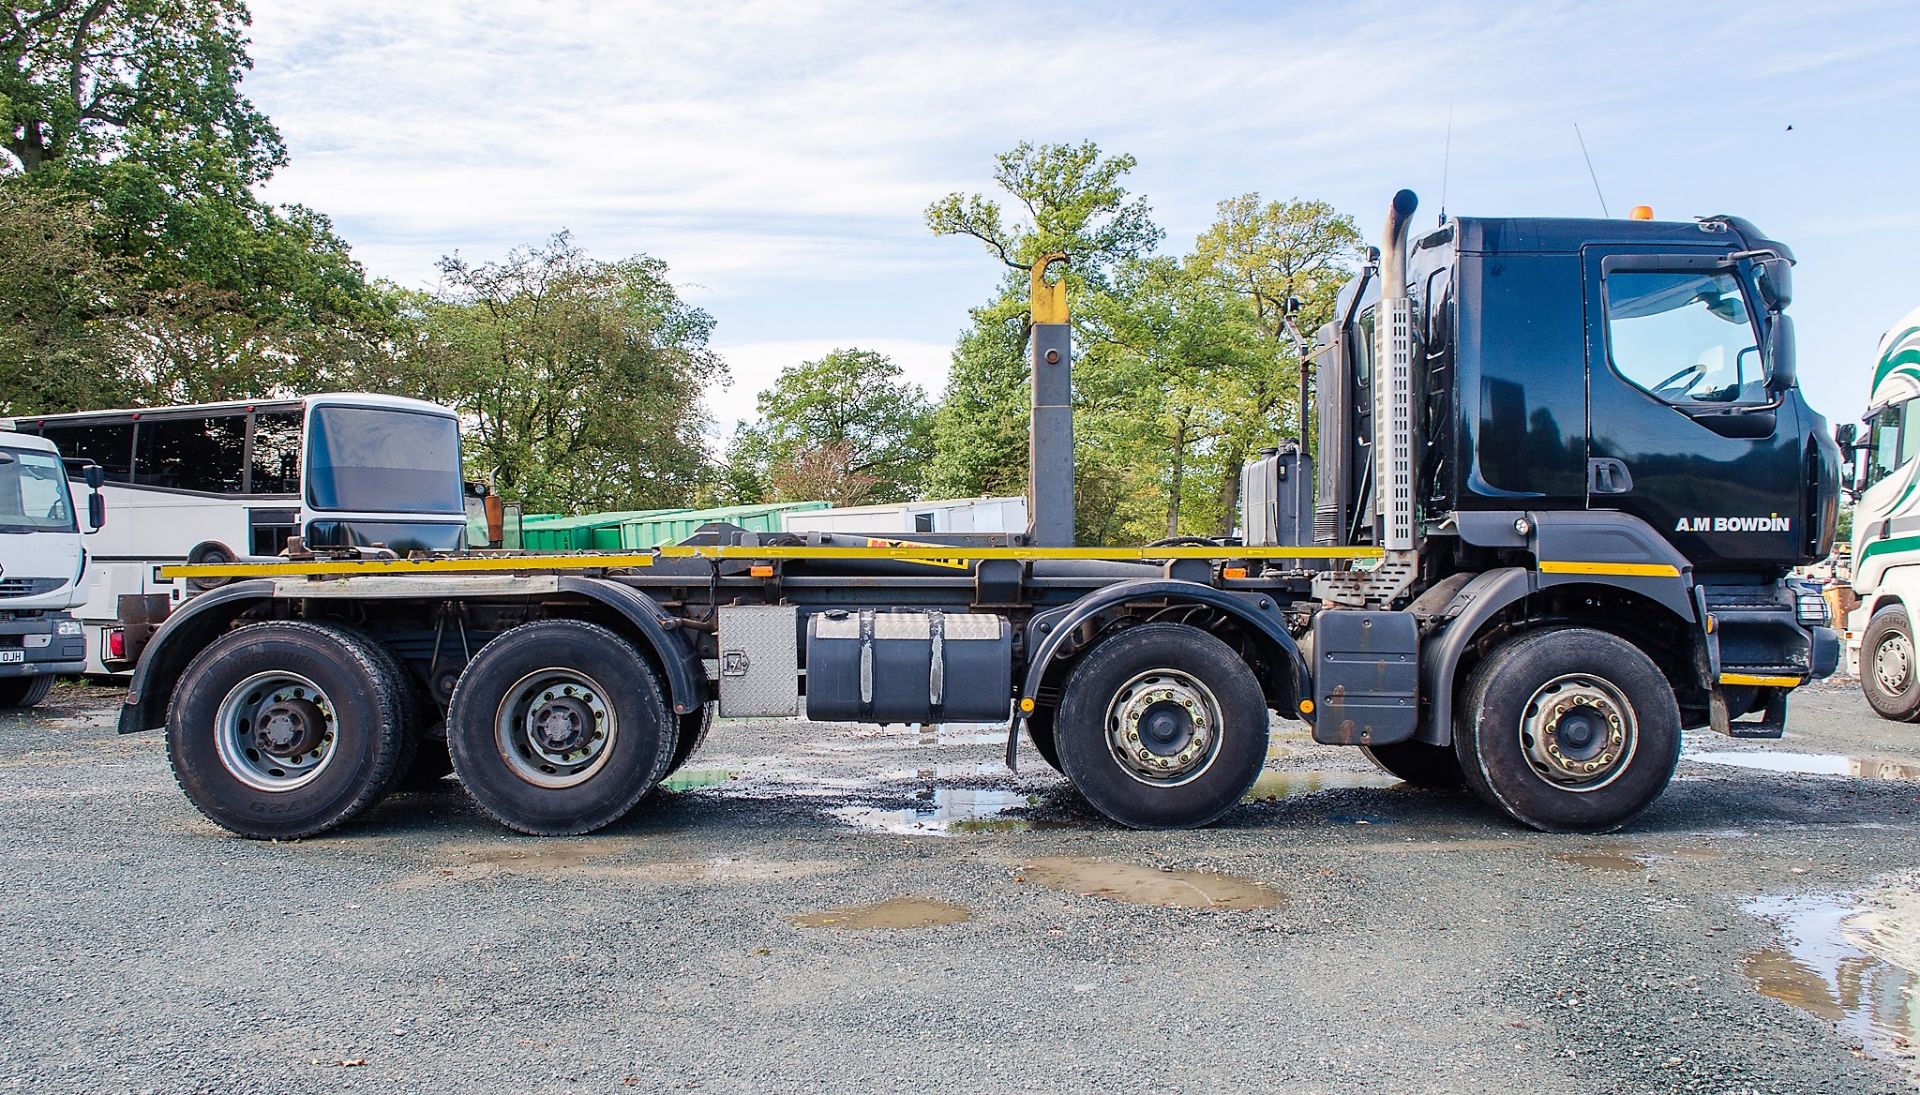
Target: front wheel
[
  {"x": 1162, "y": 726},
  {"x": 1568, "y": 730},
  {"x": 559, "y": 727},
  {"x": 1888, "y": 674},
  {"x": 23, "y": 692}
]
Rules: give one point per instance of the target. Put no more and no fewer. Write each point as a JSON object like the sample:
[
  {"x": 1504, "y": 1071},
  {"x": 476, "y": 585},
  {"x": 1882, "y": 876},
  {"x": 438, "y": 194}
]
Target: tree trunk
[{"x": 1230, "y": 494}]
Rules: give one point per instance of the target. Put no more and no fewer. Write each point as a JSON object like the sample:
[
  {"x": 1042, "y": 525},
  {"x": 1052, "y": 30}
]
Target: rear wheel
[
  {"x": 287, "y": 729},
  {"x": 1162, "y": 726},
  {"x": 1889, "y": 674},
  {"x": 1569, "y": 730},
  {"x": 559, "y": 727},
  {"x": 24, "y": 691},
  {"x": 1417, "y": 763}
]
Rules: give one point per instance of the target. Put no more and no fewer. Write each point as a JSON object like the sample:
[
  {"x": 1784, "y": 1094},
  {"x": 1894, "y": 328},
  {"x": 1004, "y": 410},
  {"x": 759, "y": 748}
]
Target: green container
[
  {"x": 643, "y": 532},
  {"x": 587, "y": 532}
]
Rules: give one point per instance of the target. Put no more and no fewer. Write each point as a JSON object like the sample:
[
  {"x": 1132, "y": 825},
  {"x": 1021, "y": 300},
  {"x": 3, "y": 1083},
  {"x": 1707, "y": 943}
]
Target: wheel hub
[
  {"x": 1893, "y": 663},
  {"x": 554, "y": 728},
  {"x": 1164, "y": 727},
  {"x": 275, "y": 731},
  {"x": 562, "y": 725},
  {"x": 1579, "y": 731},
  {"x": 290, "y": 727}
]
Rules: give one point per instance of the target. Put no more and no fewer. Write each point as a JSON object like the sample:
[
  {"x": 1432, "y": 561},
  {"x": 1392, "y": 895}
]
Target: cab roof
[{"x": 1546, "y": 235}]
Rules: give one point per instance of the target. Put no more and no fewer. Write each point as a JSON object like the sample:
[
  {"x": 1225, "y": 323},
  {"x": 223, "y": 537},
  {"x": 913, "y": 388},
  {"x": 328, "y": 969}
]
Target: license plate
[{"x": 10, "y": 657}]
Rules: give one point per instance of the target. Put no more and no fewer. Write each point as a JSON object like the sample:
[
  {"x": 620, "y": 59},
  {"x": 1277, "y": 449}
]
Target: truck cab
[
  {"x": 1886, "y": 525},
  {"x": 42, "y": 568}
]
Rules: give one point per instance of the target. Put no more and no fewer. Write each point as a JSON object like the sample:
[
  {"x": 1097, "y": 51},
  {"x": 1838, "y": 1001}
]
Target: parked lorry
[
  {"x": 43, "y": 567},
  {"x": 1565, "y": 468},
  {"x": 1886, "y": 526}
]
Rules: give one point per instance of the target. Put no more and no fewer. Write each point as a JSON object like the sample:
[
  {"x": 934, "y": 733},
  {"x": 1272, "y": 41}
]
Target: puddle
[
  {"x": 692, "y": 779},
  {"x": 599, "y": 860},
  {"x": 1813, "y": 764},
  {"x": 1272, "y": 786},
  {"x": 947, "y": 810},
  {"x": 1618, "y": 858},
  {"x": 894, "y": 912},
  {"x": 1851, "y": 959},
  {"x": 1138, "y": 885}
]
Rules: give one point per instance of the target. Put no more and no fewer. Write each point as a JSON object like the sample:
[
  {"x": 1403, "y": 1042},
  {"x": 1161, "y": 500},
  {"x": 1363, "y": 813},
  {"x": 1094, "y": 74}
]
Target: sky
[{"x": 779, "y": 156}]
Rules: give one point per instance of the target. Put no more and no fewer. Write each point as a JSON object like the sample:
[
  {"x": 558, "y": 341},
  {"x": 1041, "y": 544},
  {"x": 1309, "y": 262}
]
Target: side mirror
[
  {"x": 96, "y": 510},
  {"x": 1783, "y": 368},
  {"x": 95, "y": 476},
  {"x": 1845, "y": 436},
  {"x": 1774, "y": 275}
]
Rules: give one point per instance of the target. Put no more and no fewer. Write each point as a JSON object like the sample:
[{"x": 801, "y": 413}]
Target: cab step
[{"x": 1771, "y": 723}]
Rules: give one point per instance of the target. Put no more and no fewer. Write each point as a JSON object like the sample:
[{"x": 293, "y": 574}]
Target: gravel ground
[{"x": 823, "y": 908}]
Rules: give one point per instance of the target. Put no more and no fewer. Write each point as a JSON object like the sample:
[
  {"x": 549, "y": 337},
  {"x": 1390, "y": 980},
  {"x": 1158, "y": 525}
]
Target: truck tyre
[
  {"x": 1162, "y": 726},
  {"x": 559, "y": 727},
  {"x": 1418, "y": 763},
  {"x": 1889, "y": 674},
  {"x": 24, "y": 692},
  {"x": 1040, "y": 733},
  {"x": 694, "y": 726},
  {"x": 287, "y": 729},
  {"x": 1568, "y": 730}
]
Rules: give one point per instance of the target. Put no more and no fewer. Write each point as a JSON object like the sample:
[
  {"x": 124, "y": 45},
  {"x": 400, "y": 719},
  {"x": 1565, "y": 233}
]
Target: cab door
[{"x": 1682, "y": 429}]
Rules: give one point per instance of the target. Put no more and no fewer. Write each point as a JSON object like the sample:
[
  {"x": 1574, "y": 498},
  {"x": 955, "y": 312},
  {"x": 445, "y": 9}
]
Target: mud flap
[
  {"x": 1366, "y": 677},
  {"x": 1771, "y": 724}
]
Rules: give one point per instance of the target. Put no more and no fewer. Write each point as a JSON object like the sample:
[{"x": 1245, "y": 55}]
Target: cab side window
[
  {"x": 1684, "y": 337},
  {"x": 1892, "y": 440}
]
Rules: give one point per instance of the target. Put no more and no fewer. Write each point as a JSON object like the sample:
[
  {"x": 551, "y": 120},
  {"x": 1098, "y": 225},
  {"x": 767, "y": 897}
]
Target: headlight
[
  {"x": 1810, "y": 607},
  {"x": 66, "y": 627}
]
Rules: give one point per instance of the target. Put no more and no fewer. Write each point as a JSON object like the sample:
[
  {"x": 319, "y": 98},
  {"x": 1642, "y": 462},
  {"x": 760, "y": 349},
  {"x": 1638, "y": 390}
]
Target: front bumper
[{"x": 33, "y": 647}]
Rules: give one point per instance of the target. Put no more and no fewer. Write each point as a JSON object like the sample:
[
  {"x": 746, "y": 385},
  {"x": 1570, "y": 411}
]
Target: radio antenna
[
  {"x": 1446, "y": 165},
  {"x": 1590, "y": 174}
]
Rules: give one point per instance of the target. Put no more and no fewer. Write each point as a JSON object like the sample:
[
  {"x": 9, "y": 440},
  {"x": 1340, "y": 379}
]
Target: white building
[{"x": 943, "y": 515}]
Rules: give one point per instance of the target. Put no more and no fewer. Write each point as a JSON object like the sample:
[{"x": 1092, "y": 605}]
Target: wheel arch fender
[
  {"x": 1475, "y": 603},
  {"x": 182, "y": 635},
  {"x": 686, "y": 679},
  {"x": 1260, "y": 614}
]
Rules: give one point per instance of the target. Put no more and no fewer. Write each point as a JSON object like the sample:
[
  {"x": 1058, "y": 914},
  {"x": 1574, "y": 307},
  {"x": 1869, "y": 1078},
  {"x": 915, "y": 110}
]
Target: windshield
[
  {"x": 372, "y": 459},
  {"x": 33, "y": 493}
]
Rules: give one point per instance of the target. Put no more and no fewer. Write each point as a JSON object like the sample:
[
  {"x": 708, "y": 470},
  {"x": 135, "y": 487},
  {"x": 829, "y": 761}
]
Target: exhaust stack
[
  {"x": 1393, "y": 384},
  {"x": 1050, "y": 435}
]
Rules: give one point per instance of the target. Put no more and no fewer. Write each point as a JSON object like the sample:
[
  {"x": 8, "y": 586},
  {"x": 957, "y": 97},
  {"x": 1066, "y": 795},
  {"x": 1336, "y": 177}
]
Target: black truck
[{"x": 1564, "y": 472}]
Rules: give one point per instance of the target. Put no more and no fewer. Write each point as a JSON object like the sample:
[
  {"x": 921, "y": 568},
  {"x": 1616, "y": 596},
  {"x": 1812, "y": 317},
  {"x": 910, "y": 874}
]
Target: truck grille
[{"x": 29, "y": 587}]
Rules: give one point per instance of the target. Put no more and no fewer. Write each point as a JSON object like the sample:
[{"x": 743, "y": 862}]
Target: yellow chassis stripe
[
  {"x": 1770, "y": 682},
  {"x": 1619, "y": 570},
  {"x": 531, "y": 564}
]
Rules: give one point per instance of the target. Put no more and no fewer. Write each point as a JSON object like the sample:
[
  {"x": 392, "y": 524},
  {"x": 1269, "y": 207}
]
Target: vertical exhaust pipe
[{"x": 1393, "y": 384}]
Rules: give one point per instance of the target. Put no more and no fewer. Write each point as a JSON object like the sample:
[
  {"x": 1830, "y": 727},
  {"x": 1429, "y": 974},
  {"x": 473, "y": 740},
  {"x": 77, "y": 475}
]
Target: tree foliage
[
  {"x": 847, "y": 428},
  {"x": 580, "y": 380}
]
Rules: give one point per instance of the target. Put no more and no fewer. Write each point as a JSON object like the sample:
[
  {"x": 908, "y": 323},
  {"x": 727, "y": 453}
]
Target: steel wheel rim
[
  {"x": 554, "y": 728},
  {"x": 1164, "y": 728},
  {"x": 1578, "y": 732},
  {"x": 1893, "y": 663},
  {"x": 276, "y": 731}
]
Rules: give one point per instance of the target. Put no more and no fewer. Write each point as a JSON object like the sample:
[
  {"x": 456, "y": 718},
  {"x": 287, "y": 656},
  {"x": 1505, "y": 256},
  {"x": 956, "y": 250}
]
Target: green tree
[
  {"x": 1068, "y": 199},
  {"x": 54, "y": 291},
  {"x": 580, "y": 380},
  {"x": 847, "y": 428},
  {"x": 135, "y": 107},
  {"x": 1288, "y": 260}
]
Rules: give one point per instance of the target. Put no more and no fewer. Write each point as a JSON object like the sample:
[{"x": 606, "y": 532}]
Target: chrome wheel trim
[
  {"x": 1164, "y": 728},
  {"x": 260, "y": 711},
  {"x": 1578, "y": 732},
  {"x": 1893, "y": 663},
  {"x": 554, "y": 728}
]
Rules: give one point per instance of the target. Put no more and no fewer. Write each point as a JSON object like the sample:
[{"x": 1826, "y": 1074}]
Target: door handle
[{"x": 1605, "y": 475}]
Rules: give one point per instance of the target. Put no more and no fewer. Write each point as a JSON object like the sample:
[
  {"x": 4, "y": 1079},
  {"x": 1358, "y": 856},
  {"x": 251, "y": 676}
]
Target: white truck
[
  {"x": 42, "y": 568},
  {"x": 1886, "y": 526}
]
